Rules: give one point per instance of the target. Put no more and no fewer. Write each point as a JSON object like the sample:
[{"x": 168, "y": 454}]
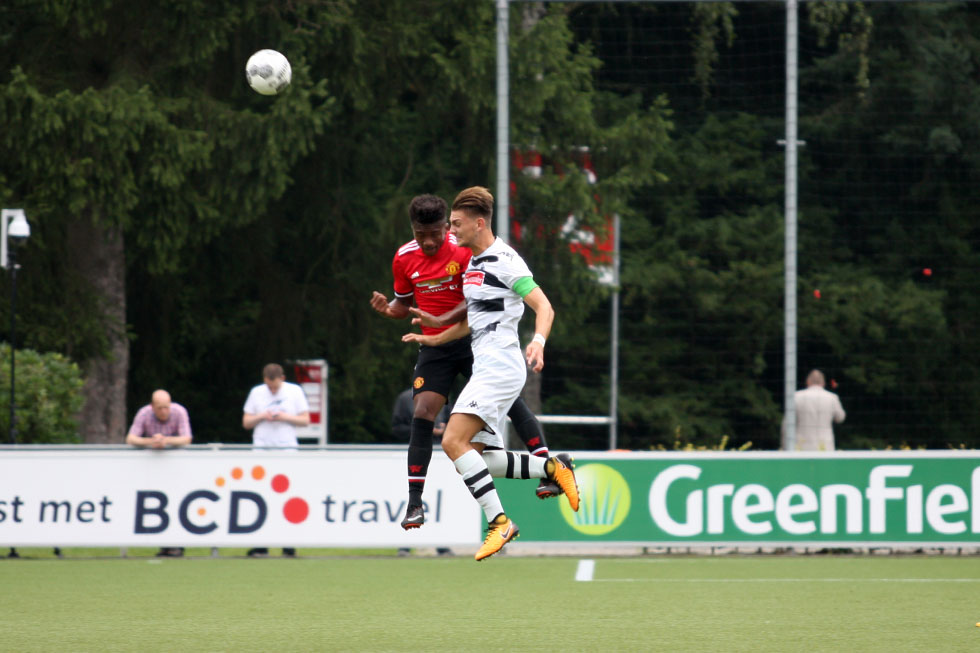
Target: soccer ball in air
[{"x": 268, "y": 72}]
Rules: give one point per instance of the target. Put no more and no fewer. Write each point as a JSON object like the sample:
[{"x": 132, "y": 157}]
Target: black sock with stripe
[
  {"x": 419, "y": 455},
  {"x": 528, "y": 428},
  {"x": 507, "y": 464},
  {"x": 479, "y": 482}
]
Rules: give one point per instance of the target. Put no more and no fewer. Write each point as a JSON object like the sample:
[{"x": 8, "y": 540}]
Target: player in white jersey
[{"x": 496, "y": 285}]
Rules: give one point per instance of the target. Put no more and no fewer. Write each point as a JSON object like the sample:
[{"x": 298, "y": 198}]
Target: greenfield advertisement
[
  {"x": 188, "y": 497},
  {"x": 846, "y": 497}
]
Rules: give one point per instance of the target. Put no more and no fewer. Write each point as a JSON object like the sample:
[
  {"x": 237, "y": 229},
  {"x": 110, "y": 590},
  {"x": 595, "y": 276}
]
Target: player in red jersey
[{"x": 430, "y": 269}]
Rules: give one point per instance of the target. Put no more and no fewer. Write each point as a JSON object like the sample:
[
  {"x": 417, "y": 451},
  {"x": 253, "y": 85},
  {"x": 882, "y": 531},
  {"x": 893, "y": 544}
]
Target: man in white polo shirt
[{"x": 273, "y": 410}]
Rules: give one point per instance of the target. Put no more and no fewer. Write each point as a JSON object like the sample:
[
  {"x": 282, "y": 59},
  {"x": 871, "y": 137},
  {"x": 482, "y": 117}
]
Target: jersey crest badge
[{"x": 452, "y": 268}]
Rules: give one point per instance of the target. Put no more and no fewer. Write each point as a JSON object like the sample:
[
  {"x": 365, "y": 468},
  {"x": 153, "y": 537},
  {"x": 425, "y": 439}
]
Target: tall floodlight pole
[
  {"x": 503, "y": 123},
  {"x": 790, "y": 345},
  {"x": 502, "y": 226},
  {"x": 13, "y": 225}
]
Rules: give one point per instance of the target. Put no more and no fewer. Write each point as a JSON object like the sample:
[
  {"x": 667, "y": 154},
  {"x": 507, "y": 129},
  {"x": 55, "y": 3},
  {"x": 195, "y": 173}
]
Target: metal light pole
[
  {"x": 790, "y": 219},
  {"x": 502, "y": 227},
  {"x": 13, "y": 224}
]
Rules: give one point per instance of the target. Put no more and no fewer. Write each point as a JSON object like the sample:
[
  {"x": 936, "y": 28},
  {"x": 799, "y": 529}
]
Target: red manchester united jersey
[{"x": 435, "y": 281}]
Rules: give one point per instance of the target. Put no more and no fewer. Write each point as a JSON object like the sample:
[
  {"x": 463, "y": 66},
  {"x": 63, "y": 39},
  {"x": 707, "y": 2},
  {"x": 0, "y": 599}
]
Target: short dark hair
[
  {"x": 476, "y": 201},
  {"x": 427, "y": 209},
  {"x": 272, "y": 371}
]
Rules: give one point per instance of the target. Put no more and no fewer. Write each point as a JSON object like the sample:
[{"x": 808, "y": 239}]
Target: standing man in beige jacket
[{"x": 816, "y": 411}]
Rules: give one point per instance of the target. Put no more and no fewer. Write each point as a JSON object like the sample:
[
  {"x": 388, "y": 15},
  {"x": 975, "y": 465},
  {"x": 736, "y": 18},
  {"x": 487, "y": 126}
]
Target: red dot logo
[
  {"x": 280, "y": 483},
  {"x": 296, "y": 510}
]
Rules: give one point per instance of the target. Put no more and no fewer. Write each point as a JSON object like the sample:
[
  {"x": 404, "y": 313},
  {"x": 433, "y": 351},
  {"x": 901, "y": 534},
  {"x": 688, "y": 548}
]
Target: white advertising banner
[{"x": 226, "y": 498}]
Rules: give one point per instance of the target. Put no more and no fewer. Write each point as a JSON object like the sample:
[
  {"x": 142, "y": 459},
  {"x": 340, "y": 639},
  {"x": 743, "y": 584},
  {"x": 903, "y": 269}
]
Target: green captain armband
[{"x": 524, "y": 286}]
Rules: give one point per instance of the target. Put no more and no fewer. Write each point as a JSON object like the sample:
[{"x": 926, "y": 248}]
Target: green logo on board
[{"x": 604, "y": 500}]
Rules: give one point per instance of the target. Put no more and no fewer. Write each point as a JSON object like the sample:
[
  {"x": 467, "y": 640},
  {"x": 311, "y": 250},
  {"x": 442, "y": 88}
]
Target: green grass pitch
[{"x": 380, "y": 602}]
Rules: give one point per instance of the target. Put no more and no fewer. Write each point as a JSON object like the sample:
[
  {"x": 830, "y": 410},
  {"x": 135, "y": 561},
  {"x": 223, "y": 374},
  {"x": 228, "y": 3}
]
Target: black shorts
[{"x": 438, "y": 367}]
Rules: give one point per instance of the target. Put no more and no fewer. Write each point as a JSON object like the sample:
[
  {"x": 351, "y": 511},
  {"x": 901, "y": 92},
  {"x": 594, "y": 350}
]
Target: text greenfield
[{"x": 889, "y": 502}]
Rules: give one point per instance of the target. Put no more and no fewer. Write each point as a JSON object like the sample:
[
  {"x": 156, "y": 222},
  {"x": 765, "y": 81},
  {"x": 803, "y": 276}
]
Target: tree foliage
[
  {"x": 883, "y": 193},
  {"x": 247, "y": 229},
  {"x": 46, "y": 396}
]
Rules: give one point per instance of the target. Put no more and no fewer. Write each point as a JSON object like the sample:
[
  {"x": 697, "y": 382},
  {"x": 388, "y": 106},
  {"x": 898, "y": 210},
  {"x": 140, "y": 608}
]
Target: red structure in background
[
  {"x": 312, "y": 376},
  {"x": 596, "y": 249},
  {"x": 309, "y": 374}
]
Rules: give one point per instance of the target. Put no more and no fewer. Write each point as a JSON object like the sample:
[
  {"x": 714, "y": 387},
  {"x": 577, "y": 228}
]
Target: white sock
[
  {"x": 507, "y": 464},
  {"x": 479, "y": 482}
]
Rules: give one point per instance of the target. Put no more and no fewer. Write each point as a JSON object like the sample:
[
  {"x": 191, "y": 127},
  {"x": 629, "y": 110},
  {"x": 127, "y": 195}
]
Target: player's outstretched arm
[
  {"x": 396, "y": 309},
  {"x": 452, "y": 316},
  {"x": 455, "y": 332},
  {"x": 544, "y": 316}
]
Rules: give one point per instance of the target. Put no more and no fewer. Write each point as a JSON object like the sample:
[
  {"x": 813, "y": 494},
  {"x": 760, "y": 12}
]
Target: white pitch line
[
  {"x": 585, "y": 571},
  {"x": 782, "y": 580}
]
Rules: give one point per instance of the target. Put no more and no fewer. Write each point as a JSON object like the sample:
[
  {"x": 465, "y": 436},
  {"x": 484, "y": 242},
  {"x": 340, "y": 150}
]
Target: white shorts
[{"x": 498, "y": 377}]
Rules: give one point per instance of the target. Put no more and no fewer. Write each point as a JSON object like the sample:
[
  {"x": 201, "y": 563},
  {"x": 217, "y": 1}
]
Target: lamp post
[{"x": 13, "y": 225}]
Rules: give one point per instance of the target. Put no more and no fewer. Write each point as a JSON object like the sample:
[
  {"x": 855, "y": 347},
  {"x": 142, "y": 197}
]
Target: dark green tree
[
  {"x": 190, "y": 231},
  {"x": 130, "y": 140},
  {"x": 889, "y": 218}
]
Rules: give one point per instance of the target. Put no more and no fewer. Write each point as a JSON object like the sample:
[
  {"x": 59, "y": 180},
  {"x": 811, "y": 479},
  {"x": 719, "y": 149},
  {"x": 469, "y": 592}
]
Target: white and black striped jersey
[{"x": 495, "y": 284}]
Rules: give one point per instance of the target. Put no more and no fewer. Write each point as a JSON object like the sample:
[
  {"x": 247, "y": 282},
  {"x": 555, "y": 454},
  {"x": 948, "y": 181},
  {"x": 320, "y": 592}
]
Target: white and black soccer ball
[{"x": 268, "y": 72}]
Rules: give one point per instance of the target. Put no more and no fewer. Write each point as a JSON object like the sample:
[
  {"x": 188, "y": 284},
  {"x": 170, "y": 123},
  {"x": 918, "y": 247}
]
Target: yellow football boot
[
  {"x": 499, "y": 532},
  {"x": 562, "y": 474}
]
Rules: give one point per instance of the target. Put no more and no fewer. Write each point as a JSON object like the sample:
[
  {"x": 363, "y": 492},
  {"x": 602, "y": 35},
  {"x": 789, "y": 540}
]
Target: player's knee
[
  {"x": 428, "y": 405},
  {"x": 453, "y": 444},
  {"x": 424, "y": 413},
  {"x": 450, "y": 448}
]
